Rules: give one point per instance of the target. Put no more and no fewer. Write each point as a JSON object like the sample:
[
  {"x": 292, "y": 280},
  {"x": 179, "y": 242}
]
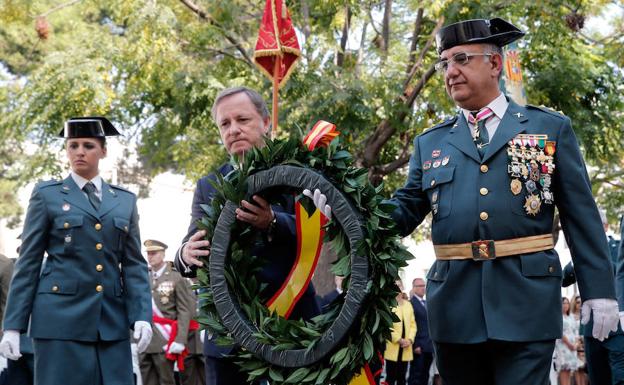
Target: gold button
[
  {"x": 551, "y": 269},
  {"x": 98, "y": 226},
  {"x": 66, "y": 225},
  {"x": 55, "y": 288},
  {"x": 98, "y": 246},
  {"x": 433, "y": 182},
  {"x": 483, "y": 191},
  {"x": 99, "y": 267},
  {"x": 99, "y": 288},
  {"x": 484, "y": 168},
  {"x": 484, "y": 216}
]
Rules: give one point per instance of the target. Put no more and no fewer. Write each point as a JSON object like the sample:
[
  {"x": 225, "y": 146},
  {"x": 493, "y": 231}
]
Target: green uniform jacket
[
  {"x": 513, "y": 298},
  {"x": 94, "y": 284}
]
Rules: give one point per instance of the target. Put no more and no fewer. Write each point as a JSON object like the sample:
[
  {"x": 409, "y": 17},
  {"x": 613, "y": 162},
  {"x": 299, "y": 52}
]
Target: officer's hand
[
  {"x": 10, "y": 345},
  {"x": 417, "y": 350},
  {"x": 605, "y": 316},
  {"x": 259, "y": 215},
  {"x": 195, "y": 248},
  {"x": 143, "y": 334},
  {"x": 320, "y": 201},
  {"x": 175, "y": 348}
]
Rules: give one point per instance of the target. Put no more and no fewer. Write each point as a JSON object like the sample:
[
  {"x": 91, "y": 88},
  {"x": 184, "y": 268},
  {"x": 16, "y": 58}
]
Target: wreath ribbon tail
[
  {"x": 365, "y": 377},
  {"x": 310, "y": 234}
]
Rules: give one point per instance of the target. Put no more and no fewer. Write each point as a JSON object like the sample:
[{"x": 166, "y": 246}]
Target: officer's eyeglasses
[{"x": 460, "y": 58}]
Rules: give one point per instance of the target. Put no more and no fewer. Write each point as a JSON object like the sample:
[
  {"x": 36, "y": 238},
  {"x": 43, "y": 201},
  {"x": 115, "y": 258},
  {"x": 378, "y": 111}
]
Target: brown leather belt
[{"x": 488, "y": 249}]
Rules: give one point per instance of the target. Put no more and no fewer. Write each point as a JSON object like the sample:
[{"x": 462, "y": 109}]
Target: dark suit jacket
[
  {"x": 281, "y": 252},
  {"x": 422, "y": 330},
  {"x": 473, "y": 301}
]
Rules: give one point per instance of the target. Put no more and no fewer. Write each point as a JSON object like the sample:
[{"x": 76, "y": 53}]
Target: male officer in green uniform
[
  {"x": 93, "y": 287},
  {"x": 172, "y": 303},
  {"x": 491, "y": 177}
]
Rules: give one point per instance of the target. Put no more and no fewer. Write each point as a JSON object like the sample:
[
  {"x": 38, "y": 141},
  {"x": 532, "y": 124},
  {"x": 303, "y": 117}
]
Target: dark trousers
[
  {"x": 194, "y": 372},
  {"x": 396, "y": 372},
  {"x": 222, "y": 371},
  {"x": 156, "y": 369},
  {"x": 22, "y": 371},
  {"x": 495, "y": 362},
  {"x": 605, "y": 360},
  {"x": 93, "y": 363},
  {"x": 419, "y": 369}
]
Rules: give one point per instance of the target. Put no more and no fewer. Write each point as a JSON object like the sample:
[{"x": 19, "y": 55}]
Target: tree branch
[
  {"x": 344, "y": 38},
  {"x": 305, "y": 11},
  {"x": 423, "y": 52},
  {"x": 58, "y": 7},
  {"x": 385, "y": 30},
  {"x": 417, "y": 28},
  {"x": 205, "y": 16}
]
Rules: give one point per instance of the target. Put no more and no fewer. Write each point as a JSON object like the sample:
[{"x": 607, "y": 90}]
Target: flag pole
[{"x": 276, "y": 69}]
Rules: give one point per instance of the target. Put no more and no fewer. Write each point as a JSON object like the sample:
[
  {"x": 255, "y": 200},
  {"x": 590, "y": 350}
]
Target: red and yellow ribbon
[{"x": 320, "y": 135}]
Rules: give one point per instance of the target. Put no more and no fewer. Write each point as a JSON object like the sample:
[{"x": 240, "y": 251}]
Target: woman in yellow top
[{"x": 399, "y": 350}]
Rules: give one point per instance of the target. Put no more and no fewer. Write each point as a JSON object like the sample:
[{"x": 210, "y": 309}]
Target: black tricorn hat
[
  {"x": 495, "y": 31},
  {"x": 88, "y": 127}
]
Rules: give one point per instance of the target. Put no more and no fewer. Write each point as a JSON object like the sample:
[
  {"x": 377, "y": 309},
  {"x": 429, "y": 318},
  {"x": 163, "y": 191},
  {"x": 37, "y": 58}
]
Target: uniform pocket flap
[
  {"x": 437, "y": 177},
  {"x": 540, "y": 264},
  {"x": 68, "y": 222},
  {"x": 65, "y": 286},
  {"x": 439, "y": 271},
  {"x": 121, "y": 223}
]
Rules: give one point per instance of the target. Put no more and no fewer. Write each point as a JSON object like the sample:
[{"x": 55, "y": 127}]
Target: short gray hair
[
  {"x": 254, "y": 96},
  {"x": 494, "y": 49}
]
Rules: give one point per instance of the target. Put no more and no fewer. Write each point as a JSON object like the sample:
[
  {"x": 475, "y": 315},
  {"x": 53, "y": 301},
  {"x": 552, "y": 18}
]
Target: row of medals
[
  {"x": 165, "y": 289},
  {"x": 531, "y": 166}
]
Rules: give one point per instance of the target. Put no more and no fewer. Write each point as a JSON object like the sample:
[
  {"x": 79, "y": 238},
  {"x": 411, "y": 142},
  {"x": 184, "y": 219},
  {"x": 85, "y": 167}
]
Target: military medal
[
  {"x": 434, "y": 197},
  {"x": 549, "y": 148},
  {"x": 437, "y": 163},
  {"x": 446, "y": 160},
  {"x": 434, "y": 208},
  {"x": 68, "y": 238},
  {"x": 164, "y": 300},
  {"x": 66, "y": 207},
  {"x": 532, "y": 204},
  {"x": 516, "y": 186},
  {"x": 547, "y": 196},
  {"x": 427, "y": 165},
  {"x": 531, "y": 186},
  {"x": 436, "y": 153}
]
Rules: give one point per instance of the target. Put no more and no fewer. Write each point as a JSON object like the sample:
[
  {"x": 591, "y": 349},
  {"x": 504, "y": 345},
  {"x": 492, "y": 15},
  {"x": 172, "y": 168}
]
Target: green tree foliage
[{"x": 155, "y": 67}]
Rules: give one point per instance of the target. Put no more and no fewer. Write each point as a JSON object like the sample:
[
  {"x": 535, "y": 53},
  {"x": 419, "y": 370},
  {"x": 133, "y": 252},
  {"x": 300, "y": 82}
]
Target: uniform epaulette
[
  {"x": 48, "y": 183},
  {"x": 445, "y": 123},
  {"x": 547, "y": 110},
  {"x": 120, "y": 188}
]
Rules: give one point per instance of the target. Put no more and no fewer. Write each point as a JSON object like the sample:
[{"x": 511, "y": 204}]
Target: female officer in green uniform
[{"x": 94, "y": 284}]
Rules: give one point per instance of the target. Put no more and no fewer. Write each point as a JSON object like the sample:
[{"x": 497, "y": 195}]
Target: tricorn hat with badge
[
  {"x": 154, "y": 245},
  {"x": 88, "y": 127},
  {"x": 494, "y": 31}
]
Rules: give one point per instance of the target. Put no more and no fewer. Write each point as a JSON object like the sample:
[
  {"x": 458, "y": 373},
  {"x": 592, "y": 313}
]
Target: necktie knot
[{"x": 90, "y": 189}]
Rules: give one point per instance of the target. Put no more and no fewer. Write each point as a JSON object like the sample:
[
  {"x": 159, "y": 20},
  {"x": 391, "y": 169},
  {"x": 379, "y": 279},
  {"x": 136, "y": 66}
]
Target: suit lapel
[
  {"x": 511, "y": 125},
  {"x": 459, "y": 136},
  {"x": 76, "y": 197},
  {"x": 110, "y": 199}
]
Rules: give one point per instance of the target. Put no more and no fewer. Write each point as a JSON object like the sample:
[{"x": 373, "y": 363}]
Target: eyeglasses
[{"x": 460, "y": 58}]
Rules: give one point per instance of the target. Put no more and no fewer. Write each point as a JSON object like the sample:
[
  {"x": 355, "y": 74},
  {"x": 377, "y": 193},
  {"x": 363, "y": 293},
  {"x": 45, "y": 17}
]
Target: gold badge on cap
[
  {"x": 66, "y": 207},
  {"x": 532, "y": 204},
  {"x": 516, "y": 186}
]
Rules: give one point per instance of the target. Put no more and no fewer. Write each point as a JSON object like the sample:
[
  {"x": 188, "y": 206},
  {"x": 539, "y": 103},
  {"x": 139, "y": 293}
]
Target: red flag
[{"x": 276, "y": 39}]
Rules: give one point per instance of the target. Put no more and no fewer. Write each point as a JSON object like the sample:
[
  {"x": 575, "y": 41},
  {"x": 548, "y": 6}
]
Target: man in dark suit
[
  {"x": 243, "y": 119},
  {"x": 493, "y": 293},
  {"x": 423, "y": 348}
]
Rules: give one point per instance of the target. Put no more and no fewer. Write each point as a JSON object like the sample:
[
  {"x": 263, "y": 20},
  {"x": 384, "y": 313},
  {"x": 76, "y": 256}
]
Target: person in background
[
  {"x": 173, "y": 307},
  {"x": 398, "y": 352},
  {"x": 94, "y": 286},
  {"x": 423, "y": 347},
  {"x": 580, "y": 376},
  {"x": 565, "y": 348},
  {"x": 194, "y": 372},
  {"x": 332, "y": 295}
]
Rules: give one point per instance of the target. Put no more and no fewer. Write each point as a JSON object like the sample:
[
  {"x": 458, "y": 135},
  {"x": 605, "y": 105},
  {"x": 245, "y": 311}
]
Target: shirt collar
[
  {"x": 160, "y": 271},
  {"x": 81, "y": 182},
  {"x": 498, "y": 106}
]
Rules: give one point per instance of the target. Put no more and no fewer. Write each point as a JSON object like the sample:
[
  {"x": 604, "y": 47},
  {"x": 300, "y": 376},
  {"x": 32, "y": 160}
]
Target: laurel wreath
[{"x": 381, "y": 244}]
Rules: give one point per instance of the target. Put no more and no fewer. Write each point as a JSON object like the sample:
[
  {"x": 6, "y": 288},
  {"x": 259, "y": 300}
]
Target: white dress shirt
[
  {"x": 499, "y": 107},
  {"x": 81, "y": 182}
]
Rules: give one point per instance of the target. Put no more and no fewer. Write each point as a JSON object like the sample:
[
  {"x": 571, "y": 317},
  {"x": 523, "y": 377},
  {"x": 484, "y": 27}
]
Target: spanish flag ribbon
[
  {"x": 310, "y": 234},
  {"x": 276, "y": 40},
  {"x": 320, "y": 135}
]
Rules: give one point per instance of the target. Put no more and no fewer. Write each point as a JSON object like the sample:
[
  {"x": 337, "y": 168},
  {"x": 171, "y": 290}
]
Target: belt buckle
[{"x": 483, "y": 250}]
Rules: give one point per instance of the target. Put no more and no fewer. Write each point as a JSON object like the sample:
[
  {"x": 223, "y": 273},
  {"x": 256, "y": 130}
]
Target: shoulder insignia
[
  {"x": 48, "y": 183},
  {"x": 120, "y": 188},
  {"x": 445, "y": 123},
  {"x": 550, "y": 111}
]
